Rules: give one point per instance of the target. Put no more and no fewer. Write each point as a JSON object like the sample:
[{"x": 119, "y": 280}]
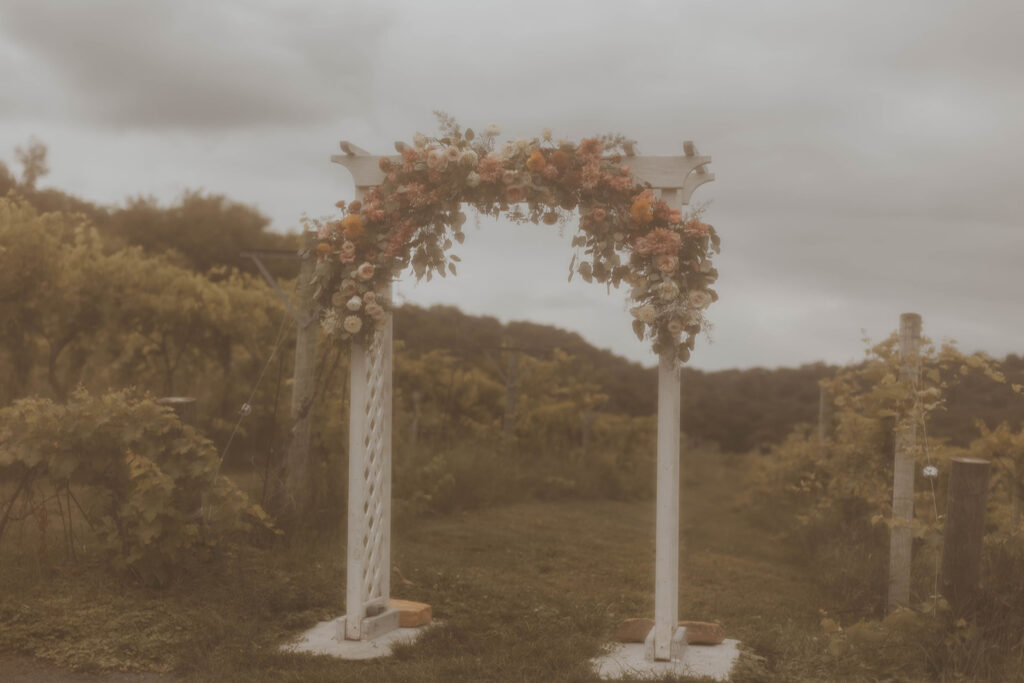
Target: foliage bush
[{"x": 147, "y": 485}]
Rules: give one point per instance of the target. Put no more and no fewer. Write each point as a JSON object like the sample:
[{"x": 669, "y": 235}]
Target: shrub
[{"x": 147, "y": 485}]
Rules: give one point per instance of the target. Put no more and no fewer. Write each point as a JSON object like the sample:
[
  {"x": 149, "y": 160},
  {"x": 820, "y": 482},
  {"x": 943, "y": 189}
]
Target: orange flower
[
  {"x": 642, "y": 210},
  {"x": 352, "y": 226},
  {"x": 550, "y": 218},
  {"x": 323, "y": 249},
  {"x": 355, "y": 206},
  {"x": 536, "y": 162},
  {"x": 560, "y": 160},
  {"x": 515, "y": 194}
]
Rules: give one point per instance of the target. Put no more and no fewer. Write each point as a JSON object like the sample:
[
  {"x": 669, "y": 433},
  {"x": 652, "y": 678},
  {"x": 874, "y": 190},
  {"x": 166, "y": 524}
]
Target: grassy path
[{"x": 527, "y": 592}]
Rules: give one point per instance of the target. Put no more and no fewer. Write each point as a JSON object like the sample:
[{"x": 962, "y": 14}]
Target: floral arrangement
[{"x": 412, "y": 219}]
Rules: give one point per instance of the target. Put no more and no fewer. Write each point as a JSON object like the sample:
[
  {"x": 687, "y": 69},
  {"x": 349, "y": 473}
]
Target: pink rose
[
  {"x": 365, "y": 271},
  {"x": 666, "y": 263}
]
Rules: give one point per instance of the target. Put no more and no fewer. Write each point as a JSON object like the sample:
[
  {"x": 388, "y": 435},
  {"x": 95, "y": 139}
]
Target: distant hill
[{"x": 738, "y": 409}]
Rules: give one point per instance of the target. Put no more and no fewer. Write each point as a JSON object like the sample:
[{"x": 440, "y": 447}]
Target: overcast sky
[{"x": 867, "y": 154}]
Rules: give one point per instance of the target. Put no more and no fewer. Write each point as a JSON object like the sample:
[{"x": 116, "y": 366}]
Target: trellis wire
[{"x": 285, "y": 320}]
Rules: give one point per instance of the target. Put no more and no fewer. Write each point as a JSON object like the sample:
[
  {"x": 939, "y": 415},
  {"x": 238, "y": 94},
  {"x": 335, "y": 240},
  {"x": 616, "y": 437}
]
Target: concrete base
[
  {"x": 629, "y": 659},
  {"x": 323, "y": 639}
]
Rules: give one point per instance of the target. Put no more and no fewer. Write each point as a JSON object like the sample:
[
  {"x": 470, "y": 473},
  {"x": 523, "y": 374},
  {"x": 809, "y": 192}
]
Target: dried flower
[
  {"x": 642, "y": 209},
  {"x": 365, "y": 271},
  {"x": 658, "y": 241},
  {"x": 337, "y": 300},
  {"x": 323, "y": 249},
  {"x": 645, "y": 314},
  {"x": 419, "y": 140},
  {"x": 352, "y": 226},
  {"x": 353, "y": 324},
  {"x": 546, "y": 134},
  {"x": 468, "y": 158},
  {"x": 473, "y": 179},
  {"x": 536, "y": 162},
  {"x": 347, "y": 287},
  {"x": 560, "y": 159},
  {"x": 699, "y": 300},
  {"x": 437, "y": 160},
  {"x": 666, "y": 263},
  {"x": 369, "y": 297},
  {"x": 330, "y": 322},
  {"x": 668, "y": 290},
  {"x": 493, "y": 130},
  {"x": 375, "y": 311}
]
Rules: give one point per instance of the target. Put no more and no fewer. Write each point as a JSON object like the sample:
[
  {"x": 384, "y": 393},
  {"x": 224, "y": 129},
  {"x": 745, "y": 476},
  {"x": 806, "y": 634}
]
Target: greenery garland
[{"x": 413, "y": 218}]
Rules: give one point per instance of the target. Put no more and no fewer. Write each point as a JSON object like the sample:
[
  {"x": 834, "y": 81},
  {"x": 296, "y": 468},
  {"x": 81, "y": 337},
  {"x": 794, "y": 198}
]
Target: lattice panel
[{"x": 376, "y": 492}]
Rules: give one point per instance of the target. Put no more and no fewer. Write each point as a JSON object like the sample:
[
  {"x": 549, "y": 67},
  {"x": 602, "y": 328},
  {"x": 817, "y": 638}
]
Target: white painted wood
[
  {"x": 354, "y": 601},
  {"x": 368, "y": 580},
  {"x": 901, "y": 535},
  {"x": 666, "y": 562}
]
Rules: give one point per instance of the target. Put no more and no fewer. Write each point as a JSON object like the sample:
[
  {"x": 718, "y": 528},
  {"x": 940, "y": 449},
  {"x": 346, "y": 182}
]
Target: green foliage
[
  {"x": 147, "y": 485},
  {"x": 833, "y": 498}
]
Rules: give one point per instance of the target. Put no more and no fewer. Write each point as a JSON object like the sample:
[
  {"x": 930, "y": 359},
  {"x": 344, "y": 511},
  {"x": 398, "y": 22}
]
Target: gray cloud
[{"x": 196, "y": 64}]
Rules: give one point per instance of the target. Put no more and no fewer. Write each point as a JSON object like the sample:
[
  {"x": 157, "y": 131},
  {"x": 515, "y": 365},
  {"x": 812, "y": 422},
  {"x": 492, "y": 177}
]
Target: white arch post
[{"x": 367, "y": 592}]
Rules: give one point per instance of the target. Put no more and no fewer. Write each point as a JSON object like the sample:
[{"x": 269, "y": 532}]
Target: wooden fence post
[
  {"x": 965, "y": 530},
  {"x": 901, "y": 535}
]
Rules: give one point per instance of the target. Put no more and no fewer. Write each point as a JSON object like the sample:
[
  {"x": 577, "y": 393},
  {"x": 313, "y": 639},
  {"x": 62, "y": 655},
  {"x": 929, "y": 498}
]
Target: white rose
[
  {"x": 353, "y": 324},
  {"x": 645, "y": 314},
  {"x": 354, "y": 304},
  {"x": 668, "y": 290}
]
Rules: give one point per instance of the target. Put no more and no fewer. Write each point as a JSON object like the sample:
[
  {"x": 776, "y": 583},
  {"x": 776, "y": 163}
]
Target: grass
[{"x": 526, "y": 592}]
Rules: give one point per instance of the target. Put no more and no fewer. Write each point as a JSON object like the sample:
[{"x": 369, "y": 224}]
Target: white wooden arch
[{"x": 368, "y": 568}]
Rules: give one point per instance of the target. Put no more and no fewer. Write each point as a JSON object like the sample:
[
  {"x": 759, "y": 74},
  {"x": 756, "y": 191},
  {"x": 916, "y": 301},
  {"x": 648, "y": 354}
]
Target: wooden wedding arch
[{"x": 370, "y": 423}]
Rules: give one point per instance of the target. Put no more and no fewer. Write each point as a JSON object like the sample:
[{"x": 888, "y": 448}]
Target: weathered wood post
[
  {"x": 965, "y": 531},
  {"x": 901, "y": 535},
  {"x": 299, "y": 479}
]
